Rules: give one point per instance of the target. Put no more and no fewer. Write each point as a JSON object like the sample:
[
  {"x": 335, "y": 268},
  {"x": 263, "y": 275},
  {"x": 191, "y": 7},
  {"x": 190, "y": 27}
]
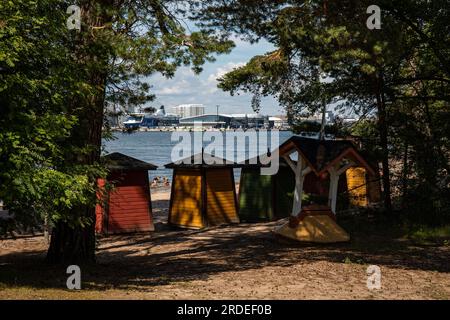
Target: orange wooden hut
[
  {"x": 203, "y": 192},
  {"x": 127, "y": 206}
]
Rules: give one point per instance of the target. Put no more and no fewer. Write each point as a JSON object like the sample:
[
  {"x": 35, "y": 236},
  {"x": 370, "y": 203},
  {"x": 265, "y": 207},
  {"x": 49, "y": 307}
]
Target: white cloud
[
  {"x": 230, "y": 66},
  {"x": 181, "y": 86},
  {"x": 187, "y": 82},
  {"x": 187, "y": 87},
  {"x": 220, "y": 72}
]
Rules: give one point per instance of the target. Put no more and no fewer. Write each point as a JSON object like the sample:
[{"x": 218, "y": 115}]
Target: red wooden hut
[{"x": 127, "y": 206}]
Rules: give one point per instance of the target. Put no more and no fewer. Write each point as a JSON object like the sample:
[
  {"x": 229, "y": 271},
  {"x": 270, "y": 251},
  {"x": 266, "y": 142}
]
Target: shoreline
[{"x": 190, "y": 130}]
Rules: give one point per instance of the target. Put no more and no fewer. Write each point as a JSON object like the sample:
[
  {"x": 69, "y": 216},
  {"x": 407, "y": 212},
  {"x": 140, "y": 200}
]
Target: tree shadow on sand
[{"x": 143, "y": 261}]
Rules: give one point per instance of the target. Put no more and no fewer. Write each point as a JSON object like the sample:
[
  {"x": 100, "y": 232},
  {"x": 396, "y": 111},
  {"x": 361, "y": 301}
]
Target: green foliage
[
  {"x": 36, "y": 81},
  {"x": 423, "y": 234},
  {"x": 52, "y": 81},
  {"x": 309, "y": 126},
  {"x": 143, "y": 42},
  {"x": 396, "y": 79},
  {"x": 310, "y": 198}
]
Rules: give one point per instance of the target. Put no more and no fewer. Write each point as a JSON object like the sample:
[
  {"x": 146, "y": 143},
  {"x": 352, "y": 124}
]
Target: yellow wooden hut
[
  {"x": 363, "y": 188},
  {"x": 203, "y": 192}
]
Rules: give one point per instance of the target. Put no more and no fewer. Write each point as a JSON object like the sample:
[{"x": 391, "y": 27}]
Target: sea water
[{"x": 156, "y": 147}]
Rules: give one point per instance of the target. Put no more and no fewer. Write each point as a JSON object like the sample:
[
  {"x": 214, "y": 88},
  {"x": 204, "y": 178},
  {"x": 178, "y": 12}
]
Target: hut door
[
  {"x": 186, "y": 199},
  {"x": 356, "y": 182},
  {"x": 220, "y": 197},
  {"x": 255, "y": 196}
]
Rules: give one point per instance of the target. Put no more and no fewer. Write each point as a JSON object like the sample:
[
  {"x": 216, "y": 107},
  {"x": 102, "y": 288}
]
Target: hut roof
[
  {"x": 202, "y": 160},
  {"x": 321, "y": 154},
  {"x": 256, "y": 162},
  {"x": 120, "y": 161}
]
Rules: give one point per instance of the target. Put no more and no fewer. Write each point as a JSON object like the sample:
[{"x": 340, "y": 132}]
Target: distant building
[
  {"x": 246, "y": 120},
  {"x": 207, "y": 120},
  {"x": 189, "y": 110},
  {"x": 235, "y": 121},
  {"x": 276, "y": 122},
  {"x": 317, "y": 117},
  {"x": 189, "y": 115},
  {"x": 279, "y": 122},
  {"x": 169, "y": 120}
]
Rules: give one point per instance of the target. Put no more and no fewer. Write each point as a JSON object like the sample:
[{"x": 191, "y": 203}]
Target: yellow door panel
[{"x": 186, "y": 199}]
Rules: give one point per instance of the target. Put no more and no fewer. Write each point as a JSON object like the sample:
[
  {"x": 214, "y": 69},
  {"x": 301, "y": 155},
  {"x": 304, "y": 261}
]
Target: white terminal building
[
  {"x": 232, "y": 121},
  {"x": 189, "y": 110}
]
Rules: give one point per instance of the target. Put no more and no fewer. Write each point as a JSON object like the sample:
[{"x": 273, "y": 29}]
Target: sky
[{"x": 186, "y": 87}]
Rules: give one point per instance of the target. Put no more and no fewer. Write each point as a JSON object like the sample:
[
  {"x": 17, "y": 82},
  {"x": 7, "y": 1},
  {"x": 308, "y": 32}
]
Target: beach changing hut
[
  {"x": 125, "y": 202},
  {"x": 203, "y": 192},
  {"x": 265, "y": 197},
  {"x": 326, "y": 160},
  {"x": 361, "y": 187}
]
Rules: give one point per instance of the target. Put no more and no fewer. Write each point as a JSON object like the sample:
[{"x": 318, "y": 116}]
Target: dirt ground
[{"x": 244, "y": 261}]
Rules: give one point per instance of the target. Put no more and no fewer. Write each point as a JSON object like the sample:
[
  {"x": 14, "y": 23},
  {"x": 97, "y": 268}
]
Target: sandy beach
[{"x": 244, "y": 261}]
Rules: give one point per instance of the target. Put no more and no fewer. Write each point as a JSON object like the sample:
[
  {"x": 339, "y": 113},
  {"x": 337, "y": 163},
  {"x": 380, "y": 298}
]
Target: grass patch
[
  {"x": 430, "y": 234},
  {"x": 347, "y": 260}
]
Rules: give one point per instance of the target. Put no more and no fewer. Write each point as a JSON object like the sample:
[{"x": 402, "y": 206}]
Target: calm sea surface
[{"x": 156, "y": 147}]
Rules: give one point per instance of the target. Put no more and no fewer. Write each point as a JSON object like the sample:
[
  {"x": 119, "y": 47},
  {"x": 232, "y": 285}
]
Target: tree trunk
[
  {"x": 382, "y": 125},
  {"x": 405, "y": 172},
  {"x": 72, "y": 245},
  {"x": 77, "y": 244}
]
